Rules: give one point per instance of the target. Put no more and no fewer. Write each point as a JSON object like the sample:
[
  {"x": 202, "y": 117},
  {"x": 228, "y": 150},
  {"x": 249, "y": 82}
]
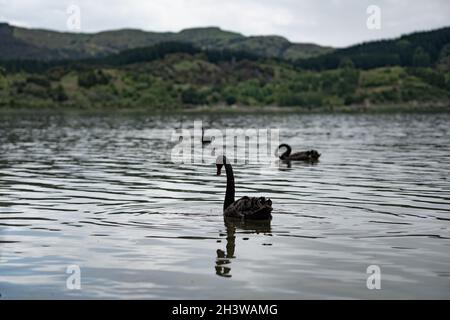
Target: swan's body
[
  {"x": 310, "y": 155},
  {"x": 252, "y": 208}
]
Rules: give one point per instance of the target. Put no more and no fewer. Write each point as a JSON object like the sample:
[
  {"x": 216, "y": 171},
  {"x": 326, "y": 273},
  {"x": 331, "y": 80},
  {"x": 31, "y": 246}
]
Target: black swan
[
  {"x": 205, "y": 140},
  {"x": 251, "y": 208},
  {"x": 310, "y": 155}
]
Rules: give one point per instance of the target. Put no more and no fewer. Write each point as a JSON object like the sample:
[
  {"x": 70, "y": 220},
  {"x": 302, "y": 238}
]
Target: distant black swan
[
  {"x": 246, "y": 208},
  {"x": 205, "y": 140},
  {"x": 311, "y": 155}
]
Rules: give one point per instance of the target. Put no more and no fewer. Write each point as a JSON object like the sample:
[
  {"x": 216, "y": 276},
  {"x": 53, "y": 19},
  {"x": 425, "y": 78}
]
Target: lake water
[{"x": 101, "y": 192}]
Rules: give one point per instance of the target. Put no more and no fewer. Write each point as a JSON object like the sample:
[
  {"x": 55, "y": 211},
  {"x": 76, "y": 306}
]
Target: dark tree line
[
  {"x": 419, "y": 49},
  {"x": 137, "y": 55}
]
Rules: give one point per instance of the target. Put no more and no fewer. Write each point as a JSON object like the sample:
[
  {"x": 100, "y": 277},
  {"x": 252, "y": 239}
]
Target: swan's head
[
  {"x": 220, "y": 161},
  {"x": 282, "y": 146},
  {"x": 314, "y": 154}
]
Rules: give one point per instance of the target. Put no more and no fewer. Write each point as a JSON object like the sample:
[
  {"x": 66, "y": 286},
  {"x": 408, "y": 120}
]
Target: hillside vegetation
[
  {"x": 180, "y": 75},
  {"x": 21, "y": 43},
  {"x": 181, "y": 80}
]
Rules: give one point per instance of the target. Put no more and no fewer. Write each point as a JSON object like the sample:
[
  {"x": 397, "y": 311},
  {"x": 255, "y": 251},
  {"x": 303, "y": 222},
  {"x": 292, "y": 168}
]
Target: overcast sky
[{"x": 326, "y": 22}]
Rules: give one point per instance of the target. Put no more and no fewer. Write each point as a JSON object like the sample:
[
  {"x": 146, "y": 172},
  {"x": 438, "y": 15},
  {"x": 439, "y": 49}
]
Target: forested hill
[
  {"x": 36, "y": 44},
  {"x": 413, "y": 70},
  {"x": 420, "y": 49},
  {"x": 131, "y": 56}
]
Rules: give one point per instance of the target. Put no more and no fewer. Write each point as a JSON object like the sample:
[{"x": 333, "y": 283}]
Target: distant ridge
[{"x": 17, "y": 43}]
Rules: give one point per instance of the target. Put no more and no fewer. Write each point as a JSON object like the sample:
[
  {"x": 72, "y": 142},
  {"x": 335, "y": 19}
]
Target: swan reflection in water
[
  {"x": 223, "y": 260},
  {"x": 287, "y": 164}
]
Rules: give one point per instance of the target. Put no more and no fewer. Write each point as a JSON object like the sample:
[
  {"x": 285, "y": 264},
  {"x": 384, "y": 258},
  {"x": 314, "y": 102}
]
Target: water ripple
[{"x": 100, "y": 191}]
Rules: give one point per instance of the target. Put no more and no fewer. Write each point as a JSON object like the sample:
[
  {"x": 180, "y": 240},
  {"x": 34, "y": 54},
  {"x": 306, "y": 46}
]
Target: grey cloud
[{"x": 327, "y": 22}]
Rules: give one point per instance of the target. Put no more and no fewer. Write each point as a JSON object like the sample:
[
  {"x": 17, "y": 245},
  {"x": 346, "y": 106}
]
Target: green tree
[
  {"x": 91, "y": 78},
  {"x": 58, "y": 94},
  {"x": 346, "y": 62},
  {"x": 230, "y": 99},
  {"x": 2, "y": 78},
  {"x": 348, "y": 78},
  {"x": 444, "y": 58},
  {"x": 421, "y": 58},
  {"x": 193, "y": 96}
]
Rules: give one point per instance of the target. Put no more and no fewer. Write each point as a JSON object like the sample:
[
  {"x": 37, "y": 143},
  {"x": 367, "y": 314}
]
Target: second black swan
[
  {"x": 310, "y": 155},
  {"x": 252, "y": 208},
  {"x": 205, "y": 140}
]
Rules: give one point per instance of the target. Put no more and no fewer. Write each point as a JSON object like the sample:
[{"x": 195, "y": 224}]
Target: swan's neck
[
  {"x": 229, "y": 194},
  {"x": 287, "y": 152}
]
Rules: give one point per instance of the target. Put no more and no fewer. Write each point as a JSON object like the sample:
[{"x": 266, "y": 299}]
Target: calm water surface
[{"x": 100, "y": 192}]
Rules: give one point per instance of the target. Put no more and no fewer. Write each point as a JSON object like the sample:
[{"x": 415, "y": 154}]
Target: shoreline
[
  {"x": 439, "y": 107},
  {"x": 382, "y": 108}
]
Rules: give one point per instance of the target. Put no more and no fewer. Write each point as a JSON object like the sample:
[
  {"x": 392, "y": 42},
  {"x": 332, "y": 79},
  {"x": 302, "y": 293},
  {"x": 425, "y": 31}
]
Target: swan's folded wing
[
  {"x": 305, "y": 155},
  {"x": 250, "y": 208}
]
